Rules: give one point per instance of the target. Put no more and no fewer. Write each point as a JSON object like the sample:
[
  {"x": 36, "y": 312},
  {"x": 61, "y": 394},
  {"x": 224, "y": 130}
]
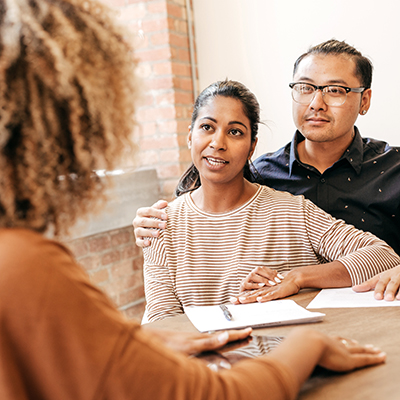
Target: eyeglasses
[{"x": 333, "y": 95}]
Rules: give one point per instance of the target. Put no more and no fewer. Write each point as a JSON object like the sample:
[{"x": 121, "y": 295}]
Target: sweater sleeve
[
  {"x": 161, "y": 299},
  {"x": 62, "y": 338},
  {"x": 163, "y": 374},
  {"x": 362, "y": 253}
]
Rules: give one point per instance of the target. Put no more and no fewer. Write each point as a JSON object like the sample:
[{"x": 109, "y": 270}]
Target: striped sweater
[{"x": 201, "y": 258}]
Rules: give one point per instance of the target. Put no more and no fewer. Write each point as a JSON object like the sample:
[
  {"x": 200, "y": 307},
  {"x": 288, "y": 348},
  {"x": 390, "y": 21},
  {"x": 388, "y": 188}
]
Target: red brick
[
  {"x": 100, "y": 276},
  {"x": 179, "y": 40},
  {"x": 144, "y": 70},
  {"x": 130, "y": 251},
  {"x": 79, "y": 247},
  {"x": 167, "y": 142},
  {"x": 122, "y": 269},
  {"x": 151, "y": 114},
  {"x": 168, "y": 188},
  {"x": 91, "y": 262},
  {"x": 180, "y": 26},
  {"x": 181, "y": 69},
  {"x": 131, "y": 295},
  {"x": 168, "y": 127},
  {"x": 138, "y": 262},
  {"x": 121, "y": 237},
  {"x": 185, "y": 156},
  {"x": 156, "y": 25},
  {"x": 168, "y": 156},
  {"x": 184, "y": 98},
  {"x": 135, "y": 312},
  {"x": 182, "y": 127},
  {"x": 148, "y": 158},
  {"x": 183, "y": 55},
  {"x": 167, "y": 97},
  {"x": 162, "y": 53},
  {"x": 113, "y": 3},
  {"x": 184, "y": 83},
  {"x": 162, "y": 68},
  {"x": 169, "y": 171},
  {"x": 110, "y": 257},
  {"x": 157, "y": 7},
  {"x": 158, "y": 39},
  {"x": 99, "y": 243},
  {"x": 148, "y": 129},
  {"x": 160, "y": 83},
  {"x": 133, "y": 12},
  {"x": 175, "y": 10}
]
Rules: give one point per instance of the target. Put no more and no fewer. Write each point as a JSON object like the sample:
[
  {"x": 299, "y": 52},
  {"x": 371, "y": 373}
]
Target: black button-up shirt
[{"x": 362, "y": 187}]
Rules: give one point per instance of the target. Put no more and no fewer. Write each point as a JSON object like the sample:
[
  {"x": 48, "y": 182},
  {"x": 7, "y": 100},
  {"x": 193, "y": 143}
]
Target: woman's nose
[{"x": 218, "y": 141}]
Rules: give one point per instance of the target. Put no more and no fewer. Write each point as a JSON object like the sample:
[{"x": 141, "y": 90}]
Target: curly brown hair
[{"x": 67, "y": 94}]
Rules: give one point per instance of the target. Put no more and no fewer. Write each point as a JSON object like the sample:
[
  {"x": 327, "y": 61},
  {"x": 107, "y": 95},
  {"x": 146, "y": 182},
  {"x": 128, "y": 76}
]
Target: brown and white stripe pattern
[{"x": 201, "y": 258}]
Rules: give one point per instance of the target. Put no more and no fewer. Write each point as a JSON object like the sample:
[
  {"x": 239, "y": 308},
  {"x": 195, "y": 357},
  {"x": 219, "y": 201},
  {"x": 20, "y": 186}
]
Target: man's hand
[
  {"x": 193, "y": 343},
  {"x": 148, "y": 221},
  {"x": 260, "y": 277},
  {"x": 287, "y": 287},
  {"x": 386, "y": 285}
]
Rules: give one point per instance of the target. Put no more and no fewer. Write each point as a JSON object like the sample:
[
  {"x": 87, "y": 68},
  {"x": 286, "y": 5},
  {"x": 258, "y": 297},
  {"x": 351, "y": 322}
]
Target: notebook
[{"x": 256, "y": 315}]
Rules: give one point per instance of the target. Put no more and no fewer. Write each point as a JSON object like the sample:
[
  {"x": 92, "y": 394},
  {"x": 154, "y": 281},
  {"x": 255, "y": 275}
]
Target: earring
[{"x": 364, "y": 112}]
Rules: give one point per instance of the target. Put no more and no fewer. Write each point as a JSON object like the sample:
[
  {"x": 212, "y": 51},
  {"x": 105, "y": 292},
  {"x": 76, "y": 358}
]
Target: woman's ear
[
  {"x": 189, "y": 138},
  {"x": 252, "y": 148}
]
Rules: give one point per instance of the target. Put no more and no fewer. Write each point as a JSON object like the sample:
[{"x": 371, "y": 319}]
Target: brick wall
[
  {"x": 160, "y": 30},
  {"x": 162, "y": 48}
]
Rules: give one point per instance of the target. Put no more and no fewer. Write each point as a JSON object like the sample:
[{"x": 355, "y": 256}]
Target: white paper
[
  {"x": 348, "y": 298},
  {"x": 277, "y": 312}
]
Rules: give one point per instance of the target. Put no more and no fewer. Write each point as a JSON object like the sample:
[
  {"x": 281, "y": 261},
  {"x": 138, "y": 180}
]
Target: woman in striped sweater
[{"x": 224, "y": 231}]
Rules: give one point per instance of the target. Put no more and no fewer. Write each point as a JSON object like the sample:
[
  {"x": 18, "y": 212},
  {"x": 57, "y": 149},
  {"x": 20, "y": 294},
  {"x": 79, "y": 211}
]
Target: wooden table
[{"x": 378, "y": 326}]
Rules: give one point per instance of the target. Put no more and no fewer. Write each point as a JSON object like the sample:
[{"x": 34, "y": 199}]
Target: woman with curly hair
[{"x": 67, "y": 92}]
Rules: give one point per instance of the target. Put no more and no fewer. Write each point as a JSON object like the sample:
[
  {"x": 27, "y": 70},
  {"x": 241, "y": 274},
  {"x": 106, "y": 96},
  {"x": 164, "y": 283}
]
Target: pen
[{"x": 226, "y": 312}]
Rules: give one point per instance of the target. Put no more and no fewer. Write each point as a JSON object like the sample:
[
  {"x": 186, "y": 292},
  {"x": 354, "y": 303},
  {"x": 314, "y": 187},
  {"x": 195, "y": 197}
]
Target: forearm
[
  {"x": 300, "y": 353},
  {"x": 333, "y": 274}
]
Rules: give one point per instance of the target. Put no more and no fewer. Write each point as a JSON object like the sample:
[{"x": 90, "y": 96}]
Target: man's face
[{"x": 317, "y": 121}]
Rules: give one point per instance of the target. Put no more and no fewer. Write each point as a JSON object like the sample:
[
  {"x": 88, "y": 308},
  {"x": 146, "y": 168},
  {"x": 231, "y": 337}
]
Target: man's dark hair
[{"x": 335, "y": 47}]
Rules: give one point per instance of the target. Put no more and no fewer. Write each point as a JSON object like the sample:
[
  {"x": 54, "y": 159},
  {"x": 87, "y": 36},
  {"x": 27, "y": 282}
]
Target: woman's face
[{"x": 220, "y": 141}]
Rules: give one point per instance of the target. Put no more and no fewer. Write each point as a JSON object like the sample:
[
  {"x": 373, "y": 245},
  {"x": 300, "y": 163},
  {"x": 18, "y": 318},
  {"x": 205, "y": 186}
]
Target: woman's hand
[
  {"x": 193, "y": 343},
  {"x": 148, "y": 221},
  {"x": 260, "y": 277},
  {"x": 342, "y": 355},
  {"x": 287, "y": 286},
  {"x": 386, "y": 285}
]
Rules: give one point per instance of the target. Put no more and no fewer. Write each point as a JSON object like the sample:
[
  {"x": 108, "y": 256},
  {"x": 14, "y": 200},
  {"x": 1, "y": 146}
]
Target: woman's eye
[
  {"x": 235, "y": 132},
  {"x": 206, "y": 127}
]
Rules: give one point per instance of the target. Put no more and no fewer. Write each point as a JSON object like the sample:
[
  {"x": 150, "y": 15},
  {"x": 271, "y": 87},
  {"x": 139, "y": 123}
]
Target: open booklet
[
  {"x": 256, "y": 315},
  {"x": 251, "y": 347}
]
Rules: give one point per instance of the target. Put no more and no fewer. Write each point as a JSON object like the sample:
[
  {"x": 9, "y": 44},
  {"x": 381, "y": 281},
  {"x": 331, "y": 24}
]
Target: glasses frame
[{"x": 321, "y": 88}]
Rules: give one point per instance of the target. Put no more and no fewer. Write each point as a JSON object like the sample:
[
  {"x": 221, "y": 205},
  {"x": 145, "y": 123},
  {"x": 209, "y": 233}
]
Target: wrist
[{"x": 297, "y": 277}]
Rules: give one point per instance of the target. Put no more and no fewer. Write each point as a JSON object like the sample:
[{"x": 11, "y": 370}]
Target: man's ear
[{"x": 365, "y": 101}]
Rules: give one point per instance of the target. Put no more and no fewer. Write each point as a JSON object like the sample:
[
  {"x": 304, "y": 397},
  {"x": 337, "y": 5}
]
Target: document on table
[
  {"x": 256, "y": 315},
  {"x": 348, "y": 298}
]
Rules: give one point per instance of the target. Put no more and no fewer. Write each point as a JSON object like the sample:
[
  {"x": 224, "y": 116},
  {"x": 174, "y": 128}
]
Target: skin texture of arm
[{"x": 332, "y": 274}]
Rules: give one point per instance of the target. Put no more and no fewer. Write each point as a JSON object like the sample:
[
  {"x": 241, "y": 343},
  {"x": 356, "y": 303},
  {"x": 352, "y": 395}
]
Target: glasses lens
[
  {"x": 334, "y": 95},
  {"x": 303, "y": 93}
]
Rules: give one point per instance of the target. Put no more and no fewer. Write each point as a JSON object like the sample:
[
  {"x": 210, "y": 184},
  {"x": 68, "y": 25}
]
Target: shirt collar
[{"x": 353, "y": 154}]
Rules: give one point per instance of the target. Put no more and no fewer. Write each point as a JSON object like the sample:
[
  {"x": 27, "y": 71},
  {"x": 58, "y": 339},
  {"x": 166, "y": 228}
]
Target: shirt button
[{"x": 322, "y": 180}]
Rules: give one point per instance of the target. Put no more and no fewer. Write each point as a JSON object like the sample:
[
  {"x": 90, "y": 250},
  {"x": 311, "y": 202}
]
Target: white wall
[{"x": 257, "y": 42}]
